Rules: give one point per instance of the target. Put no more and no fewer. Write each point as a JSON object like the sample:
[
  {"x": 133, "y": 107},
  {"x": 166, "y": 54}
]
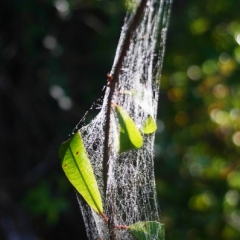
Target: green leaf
[
  {"x": 78, "y": 169},
  {"x": 147, "y": 230},
  {"x": 149, "y": 126},
  {"x": 130, "y": 137}
]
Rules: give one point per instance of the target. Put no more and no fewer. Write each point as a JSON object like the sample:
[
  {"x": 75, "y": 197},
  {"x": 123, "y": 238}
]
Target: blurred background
[{"x": 54, "y": 57}]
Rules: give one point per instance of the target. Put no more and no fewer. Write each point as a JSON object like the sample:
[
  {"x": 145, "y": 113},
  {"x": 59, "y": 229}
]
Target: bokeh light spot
[
  {"x": 50, "y": 42},
  {"x": 235, "y": 114},
  {"x": 220, "y": 117},
  {"x": 65, "y": 103},
  {"x": 202, "y": 202},
  {"x": 232, "y": 197},
  {"x": 195, "y": 169},
  {"x": 194, "y": 72},
  {"x": 227, "y": 67},
  {"x": 236, "y": 138},
  {"x": 199, "y": 26},
  {"x": 238, "y": 38},
  {"x": 234, "y": 180},
  {"x": 178, "y": 79},
  {"x": 234, "y": 27},
  {"x": 56, "y": 92},
  {"x": 220, "y": 91},
  {"x": 63, "y": 8},
  {"x": 209, "y": 67}
]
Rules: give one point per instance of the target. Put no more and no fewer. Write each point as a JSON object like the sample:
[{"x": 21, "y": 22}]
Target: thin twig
[
  {"x": 112, "y": 83},
  {"x": 127, "y": 39},
  {"x": 114, "y": 80}
]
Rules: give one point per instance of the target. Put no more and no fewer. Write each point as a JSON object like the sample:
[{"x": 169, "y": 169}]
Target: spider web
[{"x": 131, "y": 193}]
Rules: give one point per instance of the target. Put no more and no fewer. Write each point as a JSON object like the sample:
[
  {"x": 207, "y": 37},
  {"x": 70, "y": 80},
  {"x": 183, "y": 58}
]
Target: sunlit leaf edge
[{"x": 149, "y": 126}]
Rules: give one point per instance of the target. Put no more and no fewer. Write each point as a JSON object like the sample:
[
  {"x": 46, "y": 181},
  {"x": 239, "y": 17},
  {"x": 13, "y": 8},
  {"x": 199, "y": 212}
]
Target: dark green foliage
[{"x": 197, "y": 164}]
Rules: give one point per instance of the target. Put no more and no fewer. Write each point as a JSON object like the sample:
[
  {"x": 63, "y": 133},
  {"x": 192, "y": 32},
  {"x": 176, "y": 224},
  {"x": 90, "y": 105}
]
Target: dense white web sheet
[{"x": 131, "y": 185}]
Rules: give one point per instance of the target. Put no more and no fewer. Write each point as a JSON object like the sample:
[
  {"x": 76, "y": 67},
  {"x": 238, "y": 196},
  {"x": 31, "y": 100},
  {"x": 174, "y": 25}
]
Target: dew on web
[{"x": 131, "y": 189}]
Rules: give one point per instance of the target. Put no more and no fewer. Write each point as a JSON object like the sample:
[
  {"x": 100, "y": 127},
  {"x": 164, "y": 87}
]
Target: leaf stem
[
  {"x": 104, "y": 217},
  {"x": 117, "y": 227},
  {"x": 121, "y": 227}
]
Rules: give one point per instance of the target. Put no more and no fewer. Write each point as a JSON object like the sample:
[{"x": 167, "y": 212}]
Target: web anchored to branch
[{"x": 122, "y": 167}]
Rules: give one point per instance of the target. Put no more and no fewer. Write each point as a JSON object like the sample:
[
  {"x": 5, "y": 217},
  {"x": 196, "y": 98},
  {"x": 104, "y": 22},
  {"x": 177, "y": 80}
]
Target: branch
[
  {"x": 127, "y": 39},
  {"x": 112, "y": 80}
]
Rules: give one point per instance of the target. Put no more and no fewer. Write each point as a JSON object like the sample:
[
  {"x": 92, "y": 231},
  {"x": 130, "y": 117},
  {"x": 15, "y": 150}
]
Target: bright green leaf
[
  {"x": 149, "y": 126},
  {"x": 78, "y": 169},
  {"x": 130, "y": 136},
  {"x": 147, "y": 230}
]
